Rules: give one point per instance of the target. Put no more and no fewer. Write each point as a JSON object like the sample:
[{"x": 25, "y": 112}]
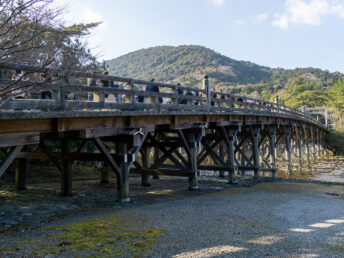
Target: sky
[{"x": 274, "y": 33}]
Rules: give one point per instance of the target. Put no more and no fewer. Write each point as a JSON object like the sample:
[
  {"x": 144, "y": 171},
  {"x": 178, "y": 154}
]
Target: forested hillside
[{"x": 187, "y": 64}]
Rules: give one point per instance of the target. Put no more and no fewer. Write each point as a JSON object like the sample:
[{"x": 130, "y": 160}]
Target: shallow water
[{"x": 330, "y": 169}]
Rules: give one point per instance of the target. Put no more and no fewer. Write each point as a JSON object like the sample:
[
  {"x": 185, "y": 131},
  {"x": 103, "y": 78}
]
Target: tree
[
  {"x": 336, "y": 95},
  {"x": 31, "y": 32}
]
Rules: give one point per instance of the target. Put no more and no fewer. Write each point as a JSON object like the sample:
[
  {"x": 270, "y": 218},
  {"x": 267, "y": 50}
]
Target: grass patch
[{"x": 108, "y": 235}]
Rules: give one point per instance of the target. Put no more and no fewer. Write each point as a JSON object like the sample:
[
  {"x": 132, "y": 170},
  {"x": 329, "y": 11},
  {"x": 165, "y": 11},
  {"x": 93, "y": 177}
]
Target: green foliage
[
  {"x": 188, "y": 64},
  {"x": 336, "y": 95}
]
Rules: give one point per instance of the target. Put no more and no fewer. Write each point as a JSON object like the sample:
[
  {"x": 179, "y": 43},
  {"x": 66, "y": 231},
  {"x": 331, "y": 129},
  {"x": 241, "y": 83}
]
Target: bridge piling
[
  {"x": 287, "y": 130},
  {"x": 20, "y": 174},
  {"x": 145, "y": 154},
  {"x": 313, "y": 144},
  {"x": 255, "y": 130},
  {"x": 66, "y": 175},
  {"x": 231, "y": 139},
  {"x": 308, "y": 154},
  {"x": 222, "y": 155},
  {"x": 272, "y": 136},
  {"x": 299, "y": 145},
  {"x": 193, "y": 143},
  {"x": 318, "y": 143}
]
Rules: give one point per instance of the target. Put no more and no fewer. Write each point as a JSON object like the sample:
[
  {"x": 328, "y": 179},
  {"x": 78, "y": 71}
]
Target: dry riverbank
[
  {"x": 267, "y": 219},
  {"x": 251, "y": 219}
]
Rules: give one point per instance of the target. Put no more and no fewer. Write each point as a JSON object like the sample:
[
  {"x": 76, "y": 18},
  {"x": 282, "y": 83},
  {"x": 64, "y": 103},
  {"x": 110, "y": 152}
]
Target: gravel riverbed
[{"x": 249, "y": 220}]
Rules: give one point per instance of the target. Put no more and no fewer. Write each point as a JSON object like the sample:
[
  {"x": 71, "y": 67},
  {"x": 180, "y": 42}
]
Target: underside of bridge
[{"x": 154, "y": 145}]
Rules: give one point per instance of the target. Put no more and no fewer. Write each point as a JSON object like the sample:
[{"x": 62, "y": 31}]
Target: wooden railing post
[
  {"x": 277, "y": 103},
  {"x": 206, "y": 87},
  {"x": 61, "y": 96},
  {"x": 132, "y": 96},
  {"x": 101, "y": 99}
]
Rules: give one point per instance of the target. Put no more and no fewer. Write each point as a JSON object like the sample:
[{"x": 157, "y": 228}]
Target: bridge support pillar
[
  {"x": 66, "y": 175},
  {"x": 308, "y": 154},
  {"x": 20, "y": 176},
  {"x": 145, "y": 179},
  {"x": 232, "y": 137},
  {"x": 242, "y": 157},
  {"x": 288, "y": 149},
  {"x": 299, "y": 145},
  {"x": 123, "y": 182},
  {"x": 222, "y": 155},
  {"x": 271, "y": 135},
  {"x": 156, "y": 157},
  {"x": 322, "y": 136},
  {"x": 193, "y": 139},
  {"x": 127, "y": 147},
  {"x": 255, "y": 150},
  {"x": 313, "y": 143},
  {"x": 318, "y": 143}
]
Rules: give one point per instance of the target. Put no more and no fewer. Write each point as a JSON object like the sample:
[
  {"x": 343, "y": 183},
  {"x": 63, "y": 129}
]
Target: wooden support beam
[
  {"x": 313, "y": 143},
  {"x": 145, "y": 179},
  {"x": 184, "y": 141},
  {"x": 66, "y": 175},
  {"x": 299, "y": 144},
  {"x": 272, "y": 146},
  {"x": 318, "y": 142},
  {"x": 156, "y": 154},
  {"x": 103, "y": 149},
  {"x": 308, "y": 154},
  {"x": 161, "y": 171},
  {"x": 205, "y": 151},
  {"x": 51, "y": 156},
  {"x": 123, "y": 180},
  {"x": 230, "y": 136},
  {"x": 20, "y": 176},
  {"x": 8, "y": 159},
  {"x": 193, "y": 147},
  {"x": 255, "y": 141},
  {"x": 80, "y": 149},
  {"x": 222, "y": 147},
  {"x": 16, "y": 139},
  {"x": 287, "y": 131}
]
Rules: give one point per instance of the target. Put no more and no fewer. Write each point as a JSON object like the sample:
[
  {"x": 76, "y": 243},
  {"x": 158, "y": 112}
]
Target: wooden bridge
[{"x": 145, "y": 132}]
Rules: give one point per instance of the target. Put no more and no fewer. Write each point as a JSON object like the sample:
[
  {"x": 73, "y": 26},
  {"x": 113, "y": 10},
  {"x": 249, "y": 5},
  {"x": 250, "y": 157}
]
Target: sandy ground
[{"x": 266, "y": 219}]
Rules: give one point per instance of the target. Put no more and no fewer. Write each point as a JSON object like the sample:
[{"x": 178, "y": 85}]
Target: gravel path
[{"x": 268, "y": 219}]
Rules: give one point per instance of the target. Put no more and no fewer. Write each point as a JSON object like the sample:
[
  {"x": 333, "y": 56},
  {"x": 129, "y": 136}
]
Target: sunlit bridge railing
[{"x": 51, "y": 91}]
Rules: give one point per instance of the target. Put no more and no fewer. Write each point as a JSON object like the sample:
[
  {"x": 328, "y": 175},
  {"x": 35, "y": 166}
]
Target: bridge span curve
[{"x": 172, "y": 130}]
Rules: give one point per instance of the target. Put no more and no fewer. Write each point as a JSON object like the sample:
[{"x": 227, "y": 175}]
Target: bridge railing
[{"x": 25, "y": 94}]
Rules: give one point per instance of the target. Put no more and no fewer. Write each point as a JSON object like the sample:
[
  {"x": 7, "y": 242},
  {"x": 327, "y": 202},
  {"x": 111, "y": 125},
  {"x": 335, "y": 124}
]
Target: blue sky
[{"x": 275, "y": 33}]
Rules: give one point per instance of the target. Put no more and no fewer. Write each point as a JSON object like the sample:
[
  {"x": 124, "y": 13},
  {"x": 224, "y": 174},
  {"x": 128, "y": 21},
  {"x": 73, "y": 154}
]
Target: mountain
[{"x": 187, "y": 64}]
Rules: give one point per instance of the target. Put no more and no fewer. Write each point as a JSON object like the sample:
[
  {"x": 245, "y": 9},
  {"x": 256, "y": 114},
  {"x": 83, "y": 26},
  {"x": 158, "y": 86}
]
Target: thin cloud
[
  {"x": 218, "y": 2},
  {"x": 240, "y": 21},
  {"x": 312, "y": 12},
  {"x": 260, "y": 17},
  {"x": 255, "y": 19}
]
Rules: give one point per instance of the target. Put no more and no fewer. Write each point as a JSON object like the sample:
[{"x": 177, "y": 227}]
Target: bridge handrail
[{"x": 217, "y": 101}]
